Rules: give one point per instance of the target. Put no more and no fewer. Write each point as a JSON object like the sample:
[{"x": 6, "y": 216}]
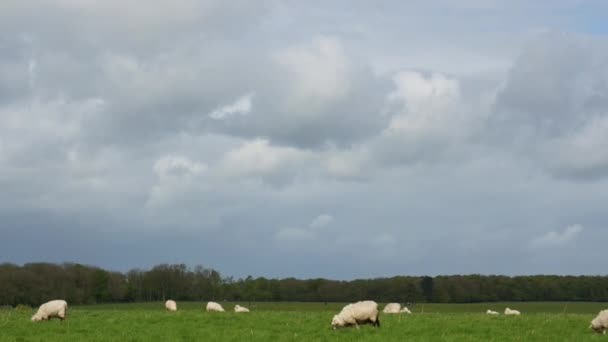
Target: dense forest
[{"x": 34, "y": 283}]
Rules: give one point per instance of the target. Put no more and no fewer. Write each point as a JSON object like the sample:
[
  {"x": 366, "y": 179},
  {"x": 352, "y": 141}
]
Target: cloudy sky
[{"x": 336, "y": 139}]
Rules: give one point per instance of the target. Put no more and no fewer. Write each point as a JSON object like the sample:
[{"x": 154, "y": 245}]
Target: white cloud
[
  {"x": 425, "y": 97},
  {"x": 351, "y": 164},
  {"x": 242, "y": 106},
  {"x": 258, "y": 158},
  {"x": 319, "y": 71},
  {"x": 428, "y": 119},
  {"x": 321, "y": 221},
  {"x": 556, "y": 238},
  {"x": 427, "y": 106}
]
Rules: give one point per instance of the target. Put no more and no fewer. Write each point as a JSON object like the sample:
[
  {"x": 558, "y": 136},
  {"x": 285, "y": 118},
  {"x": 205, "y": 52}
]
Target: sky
[{"x": 337, "y": 139}]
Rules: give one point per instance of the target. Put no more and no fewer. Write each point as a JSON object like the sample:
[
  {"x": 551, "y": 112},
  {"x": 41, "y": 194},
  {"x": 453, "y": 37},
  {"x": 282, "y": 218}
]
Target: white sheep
[
  {"x": 357, "y": 313},
  {"x": 213, "y": 306},
  {"x": 54, "y": 308},
  {"x": 600, "y": 322},
  {"x": 512, "y": 312},
  {"x": 405, "y": 310},
  {"x": 392, "y": 308},
  {"x": 238, "y": 308},
  {"x": 170, "y": 305},
  {"x": 491, "y": 312}
]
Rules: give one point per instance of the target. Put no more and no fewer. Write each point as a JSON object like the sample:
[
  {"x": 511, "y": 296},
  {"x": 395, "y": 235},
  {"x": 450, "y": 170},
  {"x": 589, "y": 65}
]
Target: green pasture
[
  {"x": 524, "y": 307},
  {"x": 288, "y": 321}
]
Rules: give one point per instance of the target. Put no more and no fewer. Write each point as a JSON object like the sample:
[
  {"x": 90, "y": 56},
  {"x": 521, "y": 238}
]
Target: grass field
[{"x": 305, "y": 322}]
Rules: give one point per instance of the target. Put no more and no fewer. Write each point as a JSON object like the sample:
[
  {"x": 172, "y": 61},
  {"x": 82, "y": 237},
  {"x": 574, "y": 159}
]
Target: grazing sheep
[
  {"x": 238, "y": 308},
  {"x": 357, "y": 313},
  {"x": 405, "y": 310},
  {"x": 490, "y": 312},
  {"x": 512, "y": 312},
  {"x": 392, "y": 308},
  {"x": 171, "y": 305},
  {"x": 600, "y": 322},
  {"x": 213, "y": 306},
  {"x": 54, "y": 308}
]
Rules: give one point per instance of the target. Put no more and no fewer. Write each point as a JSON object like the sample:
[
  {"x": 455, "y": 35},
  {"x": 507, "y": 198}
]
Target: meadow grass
[{"x": 305, "y": 322}]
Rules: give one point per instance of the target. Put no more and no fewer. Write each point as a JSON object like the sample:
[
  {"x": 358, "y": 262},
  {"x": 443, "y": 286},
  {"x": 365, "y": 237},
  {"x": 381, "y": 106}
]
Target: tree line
[{"x": 35, "y": 283}]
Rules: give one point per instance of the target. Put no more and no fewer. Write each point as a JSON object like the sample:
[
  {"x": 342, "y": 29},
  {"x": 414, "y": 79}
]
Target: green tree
[{"x": 427, "y": 288}]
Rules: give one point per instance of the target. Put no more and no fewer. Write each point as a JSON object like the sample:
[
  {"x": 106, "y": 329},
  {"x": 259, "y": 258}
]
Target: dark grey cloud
[
  {"x": 547, "y": 84},
  {"x": 553, "y": 105}
]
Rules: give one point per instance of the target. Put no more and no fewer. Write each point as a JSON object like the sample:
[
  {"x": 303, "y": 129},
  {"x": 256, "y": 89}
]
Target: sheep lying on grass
[
  {"x": 392, "y": 308},
  {"x": 405, "y": 310},
  {"x": 213, "y": 306},
  {"x": 512, "y": 312},
  {"x": 238, "y": 308}
]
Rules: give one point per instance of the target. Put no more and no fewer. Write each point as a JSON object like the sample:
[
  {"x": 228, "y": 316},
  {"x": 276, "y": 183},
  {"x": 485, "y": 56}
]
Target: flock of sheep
[
  {"x": 351, "y": 315},
  {"x": 171, "y": 305},
  {"x": 367, "y": 312}
]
